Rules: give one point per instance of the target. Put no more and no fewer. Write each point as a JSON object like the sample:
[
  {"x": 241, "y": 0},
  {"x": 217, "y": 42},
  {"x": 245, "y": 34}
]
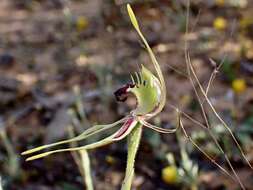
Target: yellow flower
[
  {"x": 220, "y": 23},
  {"x": 246, "y": 22},
  {"x": 81, "y": 23},
  {"x": 220, "y": 2},
  {"x": 239, "y": 85},
  {"x": 169, "y": 174}
]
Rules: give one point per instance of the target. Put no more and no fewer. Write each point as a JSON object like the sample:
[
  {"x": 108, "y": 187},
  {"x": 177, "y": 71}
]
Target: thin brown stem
[
  {"x": 214, "y": 110},
  {"x": 191, "y": 72},
  {"x": 203, "y": 152},
  {"x": 190, "y": 68}
]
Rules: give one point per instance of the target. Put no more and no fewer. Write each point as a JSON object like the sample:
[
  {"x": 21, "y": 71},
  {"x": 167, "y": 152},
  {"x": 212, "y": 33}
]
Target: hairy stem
[{"x": 133, "y": 145}]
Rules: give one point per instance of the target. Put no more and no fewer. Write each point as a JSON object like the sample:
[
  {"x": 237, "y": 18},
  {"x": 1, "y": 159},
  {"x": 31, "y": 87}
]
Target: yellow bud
[
  {"x": 169, "y": 174},
  {"x": 239, "y": 85},
  {"x": 220, "y": 23},
  {"x": 110, "y": 160},
  {"x": 81, "y": 23}
]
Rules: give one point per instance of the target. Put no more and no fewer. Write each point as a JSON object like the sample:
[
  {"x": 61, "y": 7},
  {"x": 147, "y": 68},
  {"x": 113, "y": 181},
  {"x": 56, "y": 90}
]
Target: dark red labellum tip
[{"x": 121, "y": 94}]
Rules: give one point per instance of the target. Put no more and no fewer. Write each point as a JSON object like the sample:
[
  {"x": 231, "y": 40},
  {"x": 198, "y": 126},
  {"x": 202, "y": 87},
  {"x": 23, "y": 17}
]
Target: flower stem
[
  {"x": 83, "y": 162},
  {"x": 133, "y": 145},
  {"x": 86, "y": 168}
]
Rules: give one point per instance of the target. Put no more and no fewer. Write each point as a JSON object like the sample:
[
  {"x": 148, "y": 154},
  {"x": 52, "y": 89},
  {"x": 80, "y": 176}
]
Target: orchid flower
[{"x": 150, "y": 92}]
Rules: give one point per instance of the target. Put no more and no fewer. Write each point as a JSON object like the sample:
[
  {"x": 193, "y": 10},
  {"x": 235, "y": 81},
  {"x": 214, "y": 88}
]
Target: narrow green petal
[
  {"x": 158, "y": 129},
  {"x": 132, "y": 17},
  {"x": 153, "y": 59},
  {"x": 100, "y": 143},
  {"x": 86, "y": 147},
  {"x": 38, "y": 156},
  {"x": 89, "y": 132}
]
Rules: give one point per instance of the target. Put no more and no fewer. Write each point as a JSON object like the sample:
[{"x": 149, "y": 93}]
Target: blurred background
[{"x": 61, "y": 61}]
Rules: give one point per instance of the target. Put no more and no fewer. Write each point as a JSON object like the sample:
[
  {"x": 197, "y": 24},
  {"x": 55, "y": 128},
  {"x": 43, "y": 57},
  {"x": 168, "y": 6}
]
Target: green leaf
[{"x": 227, "y": 69}]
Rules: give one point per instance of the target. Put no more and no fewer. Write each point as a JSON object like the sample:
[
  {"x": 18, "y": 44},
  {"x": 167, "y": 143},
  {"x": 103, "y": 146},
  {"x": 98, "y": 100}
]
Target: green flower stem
[
  {"x": 86, "y": 168},
  {"x": 83, "y": 162},
  {"x": 133, "y": 145}
]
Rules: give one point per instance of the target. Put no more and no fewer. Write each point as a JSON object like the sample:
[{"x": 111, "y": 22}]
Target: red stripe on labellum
[{"x": 124, "y": 128}]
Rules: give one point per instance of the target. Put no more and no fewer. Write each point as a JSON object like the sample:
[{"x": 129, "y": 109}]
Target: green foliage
[
  {"x": 187, "y": 170},
  {"x": 12, "y": 161},
  {"x": 245, "y": 133},
  {"x": 227, "y": 69}
]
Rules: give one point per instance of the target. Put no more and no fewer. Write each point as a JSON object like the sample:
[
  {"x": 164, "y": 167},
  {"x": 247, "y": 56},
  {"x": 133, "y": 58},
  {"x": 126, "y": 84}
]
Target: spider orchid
[{"x": 150, "y": 93}]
